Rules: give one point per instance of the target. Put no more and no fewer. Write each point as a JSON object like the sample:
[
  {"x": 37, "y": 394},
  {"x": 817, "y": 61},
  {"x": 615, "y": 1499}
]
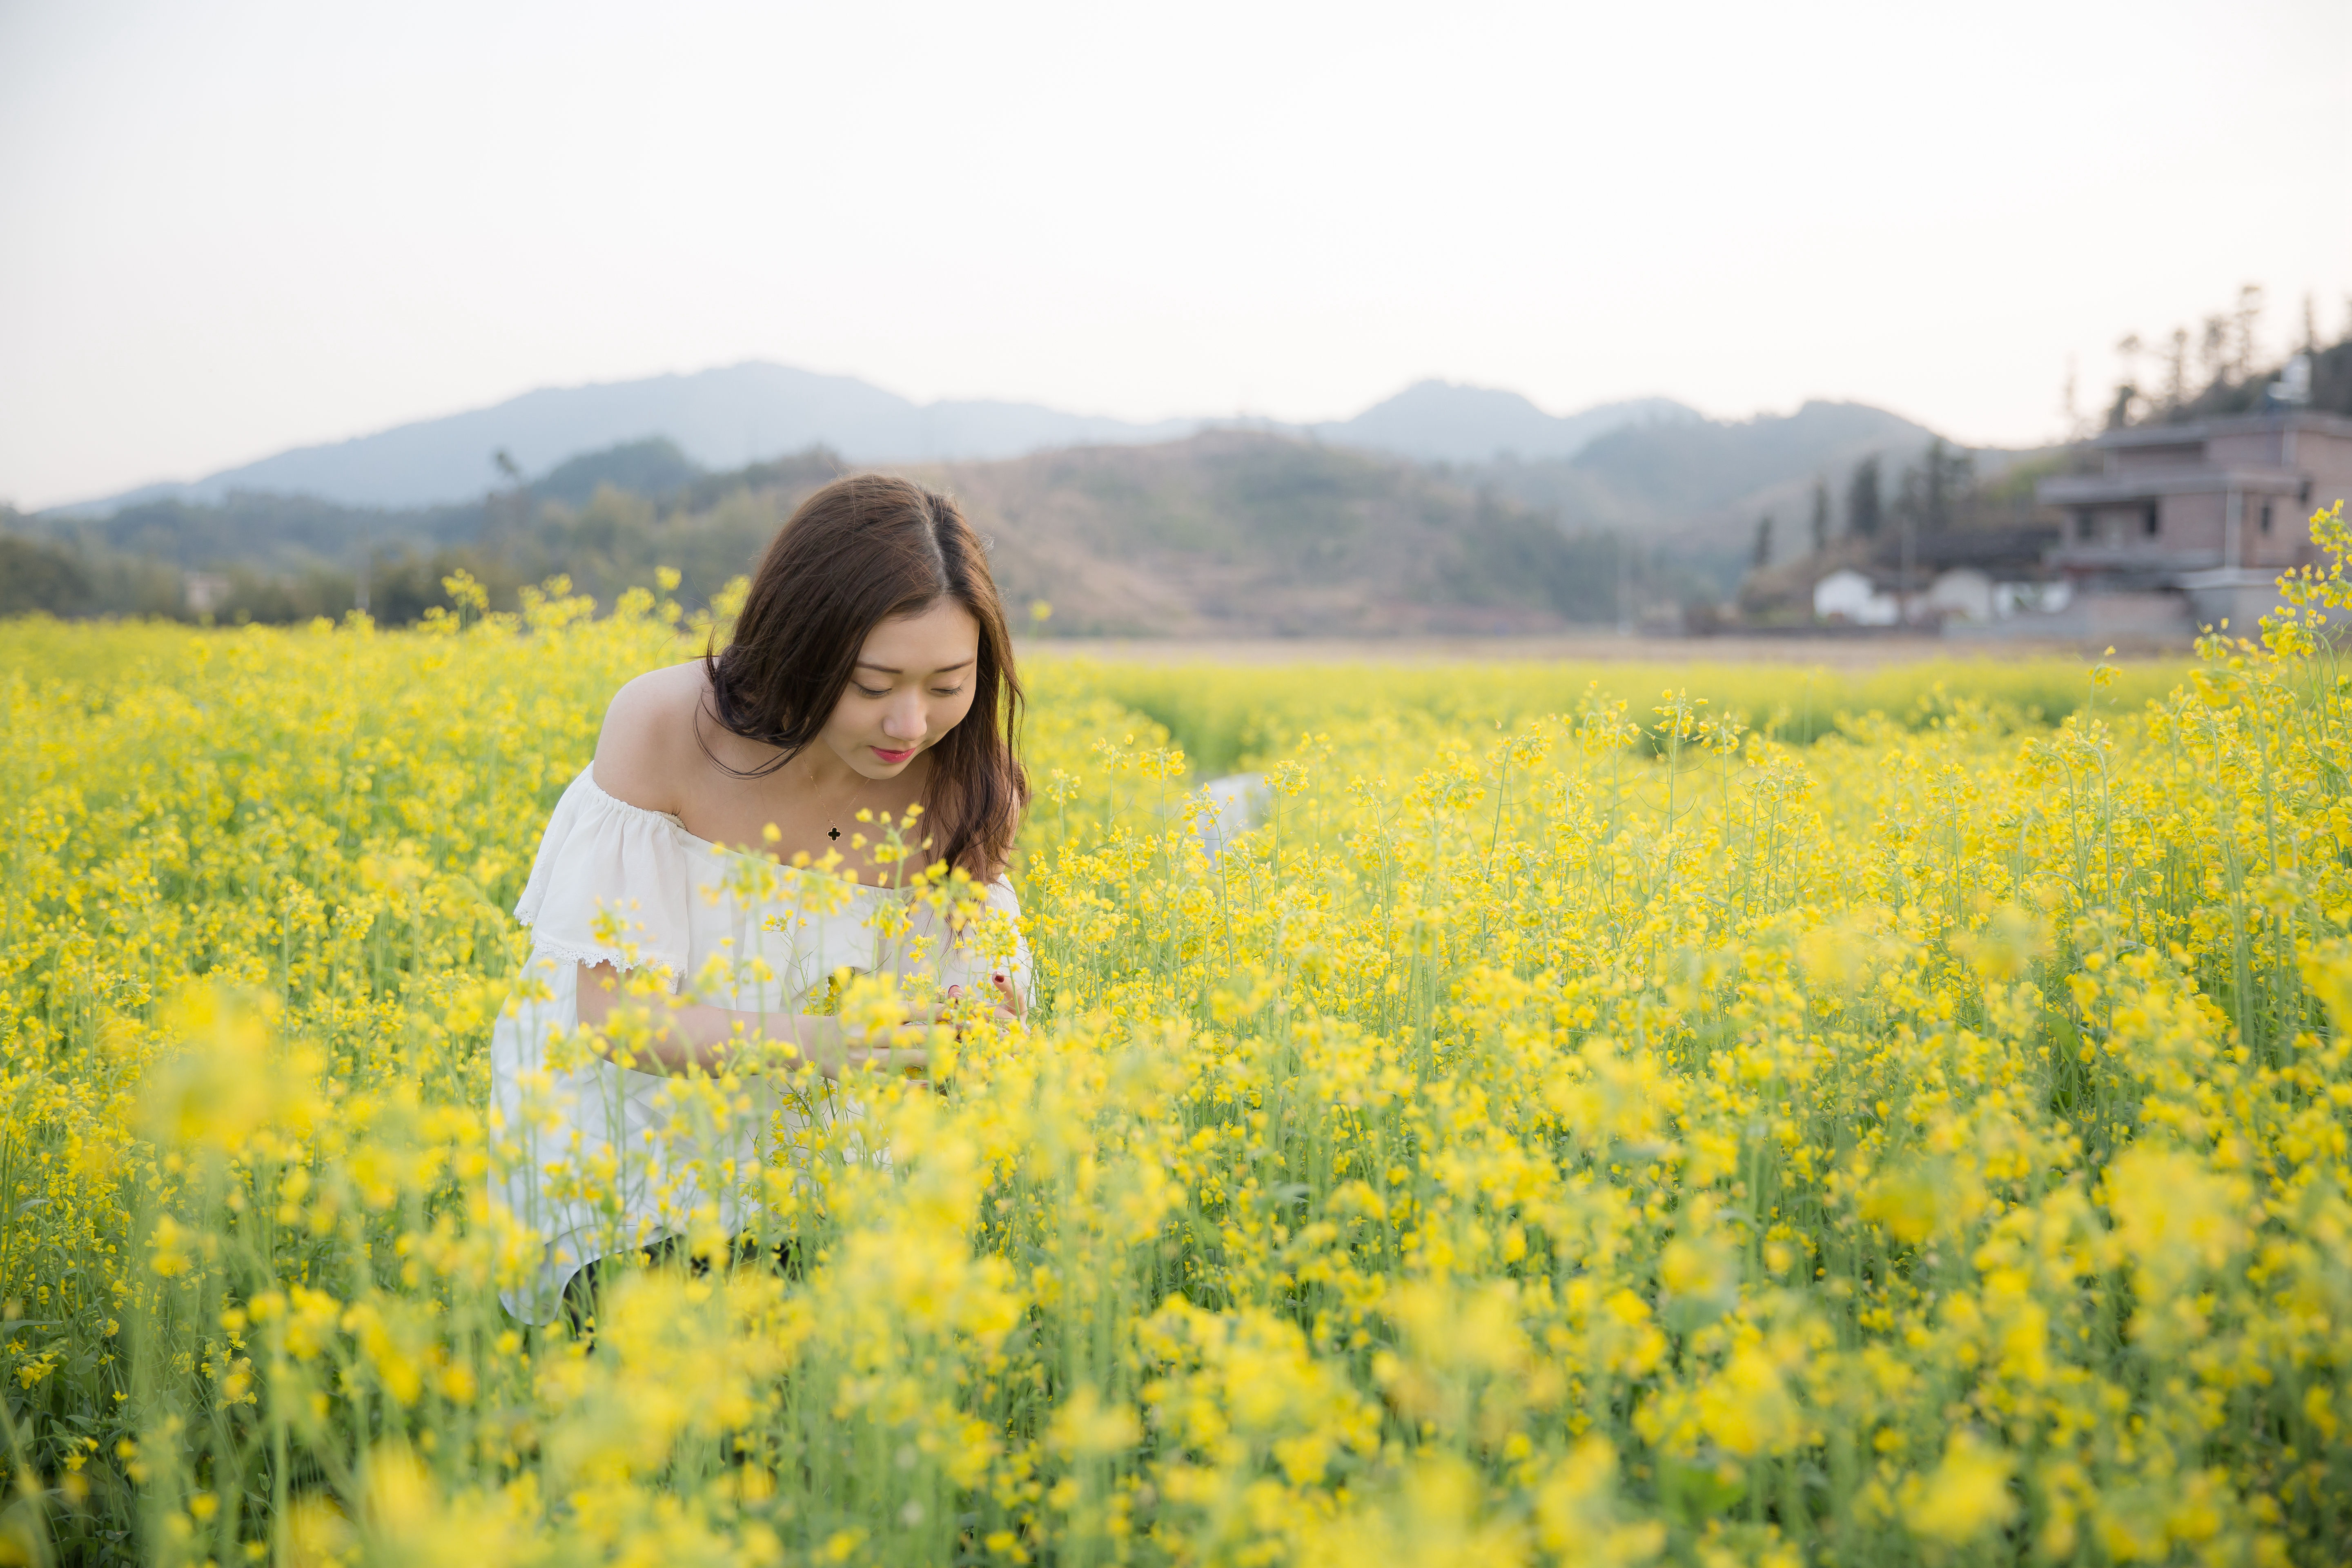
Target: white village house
[
  {"x": 1961, "y": 595},
  {"x": 1854, "y": 598}
]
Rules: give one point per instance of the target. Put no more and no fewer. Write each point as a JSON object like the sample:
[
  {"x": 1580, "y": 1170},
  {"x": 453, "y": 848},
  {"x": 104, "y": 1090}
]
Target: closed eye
[
  {"x": 947, "y": 691},
  {"x": 864, "y": 690}
]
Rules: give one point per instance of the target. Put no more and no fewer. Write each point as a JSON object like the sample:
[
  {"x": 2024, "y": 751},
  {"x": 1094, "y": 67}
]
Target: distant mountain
[
  {"x": 1228, "y": 531},
  {"x": 718, "y": 418},
  {"x": 1249, "y": 533},
  {"x": 1707, "y": 481},
  {"x": 1444, "y": 507},
  {"x": 1441, "y": 422},
  {"x": 1699, "y": 464}
]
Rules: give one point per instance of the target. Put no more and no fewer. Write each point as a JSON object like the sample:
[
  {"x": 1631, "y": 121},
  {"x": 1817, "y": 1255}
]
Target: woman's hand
[
  {"x": 1011, "y": 1000},
  {"x": 957, "y": 1013},
  {"x": 671, "y": 1034}
]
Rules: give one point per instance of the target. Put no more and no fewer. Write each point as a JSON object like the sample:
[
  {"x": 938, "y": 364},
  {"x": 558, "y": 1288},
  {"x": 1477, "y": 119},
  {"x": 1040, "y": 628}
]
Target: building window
[
  {"x": 2085, "y": 523},
  {"x": 2266, "y": 516},
  {"x": 2147, "y": 521}
]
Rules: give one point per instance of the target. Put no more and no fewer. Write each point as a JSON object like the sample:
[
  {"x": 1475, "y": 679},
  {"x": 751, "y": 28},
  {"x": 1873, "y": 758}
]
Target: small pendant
[{"x": 833, "y": 832}]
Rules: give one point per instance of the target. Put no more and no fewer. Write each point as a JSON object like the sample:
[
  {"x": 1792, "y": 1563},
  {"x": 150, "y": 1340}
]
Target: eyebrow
[{"x": 886, "y": 670}]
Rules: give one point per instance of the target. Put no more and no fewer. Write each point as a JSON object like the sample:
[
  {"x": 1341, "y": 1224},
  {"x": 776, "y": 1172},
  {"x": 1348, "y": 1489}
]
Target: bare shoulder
[{"x": 647, "y": 753}]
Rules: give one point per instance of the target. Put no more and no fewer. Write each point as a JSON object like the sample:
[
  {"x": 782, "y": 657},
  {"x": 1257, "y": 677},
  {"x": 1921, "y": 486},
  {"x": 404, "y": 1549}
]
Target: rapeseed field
[{"x": 1708, "y": 1123}]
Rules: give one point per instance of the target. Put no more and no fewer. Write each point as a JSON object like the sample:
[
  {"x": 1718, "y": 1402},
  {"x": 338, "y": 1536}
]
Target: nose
[{"x": 903, "y": 720}]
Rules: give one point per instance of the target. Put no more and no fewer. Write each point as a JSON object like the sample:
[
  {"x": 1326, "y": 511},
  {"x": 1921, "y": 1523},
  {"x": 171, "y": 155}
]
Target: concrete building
[{"x": 2209, "y": 513}]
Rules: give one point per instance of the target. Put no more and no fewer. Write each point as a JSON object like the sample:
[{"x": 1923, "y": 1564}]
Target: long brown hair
[{"x": 862, "y": 550}]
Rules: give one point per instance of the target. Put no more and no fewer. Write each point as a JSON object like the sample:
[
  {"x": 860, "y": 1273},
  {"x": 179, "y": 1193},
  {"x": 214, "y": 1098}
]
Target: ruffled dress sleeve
[{"x": 610, "y": 885}]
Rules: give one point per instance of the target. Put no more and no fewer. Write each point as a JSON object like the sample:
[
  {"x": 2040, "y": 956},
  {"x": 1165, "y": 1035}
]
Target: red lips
[{"x": 894, "y": 757}]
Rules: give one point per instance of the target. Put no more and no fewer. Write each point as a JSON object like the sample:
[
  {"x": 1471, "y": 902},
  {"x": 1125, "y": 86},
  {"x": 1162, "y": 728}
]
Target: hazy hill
[
  {"x": 1227, "y": 531},
  {"x": 718, "y": 418},
  {"x": 1233, "y": 531},
  {"x": 1441, "y": 422},
  {"x": 1703, "y": 481},
  {"x": 652, "y": 468}
]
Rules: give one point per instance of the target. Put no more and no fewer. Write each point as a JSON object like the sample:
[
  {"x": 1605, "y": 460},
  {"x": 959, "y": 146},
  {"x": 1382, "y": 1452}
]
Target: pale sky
[{"x": 229, "y": 228}]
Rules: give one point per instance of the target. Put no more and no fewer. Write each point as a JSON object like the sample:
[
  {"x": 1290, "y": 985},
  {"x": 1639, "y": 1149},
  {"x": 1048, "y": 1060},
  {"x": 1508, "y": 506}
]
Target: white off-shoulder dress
[{"x": 590, "y": 1158}]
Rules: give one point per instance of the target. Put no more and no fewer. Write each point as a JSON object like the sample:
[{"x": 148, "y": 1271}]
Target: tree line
[
  {"x": 1935, "y": 491},
  {"x": 606, "y": 521}
]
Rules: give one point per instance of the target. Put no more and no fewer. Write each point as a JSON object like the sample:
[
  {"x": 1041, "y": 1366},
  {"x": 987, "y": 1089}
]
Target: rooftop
[
  {"x": 2190, "y": 479},
  {"x": 2132, "y": 436}
]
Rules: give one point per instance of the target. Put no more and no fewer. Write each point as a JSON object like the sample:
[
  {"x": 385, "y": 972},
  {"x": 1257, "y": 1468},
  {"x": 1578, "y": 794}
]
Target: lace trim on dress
[{"x": 565, "y": 952}]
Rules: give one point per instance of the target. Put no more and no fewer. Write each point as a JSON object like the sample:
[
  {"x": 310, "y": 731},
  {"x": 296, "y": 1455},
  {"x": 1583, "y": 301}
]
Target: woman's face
[{"x": 913, "y": 684}]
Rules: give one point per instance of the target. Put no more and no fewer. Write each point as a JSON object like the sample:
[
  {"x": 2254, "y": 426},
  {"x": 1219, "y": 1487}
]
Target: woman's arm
[{"x": 683, "y": 1037}]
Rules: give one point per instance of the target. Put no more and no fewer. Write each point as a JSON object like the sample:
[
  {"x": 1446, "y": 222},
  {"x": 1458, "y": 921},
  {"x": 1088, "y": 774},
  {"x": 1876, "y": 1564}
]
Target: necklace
[{"x": 832, "y": 825}]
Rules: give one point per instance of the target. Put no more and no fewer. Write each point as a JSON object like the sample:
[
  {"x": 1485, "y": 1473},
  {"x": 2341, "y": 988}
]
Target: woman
[{"x": 707, "y": 852}]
